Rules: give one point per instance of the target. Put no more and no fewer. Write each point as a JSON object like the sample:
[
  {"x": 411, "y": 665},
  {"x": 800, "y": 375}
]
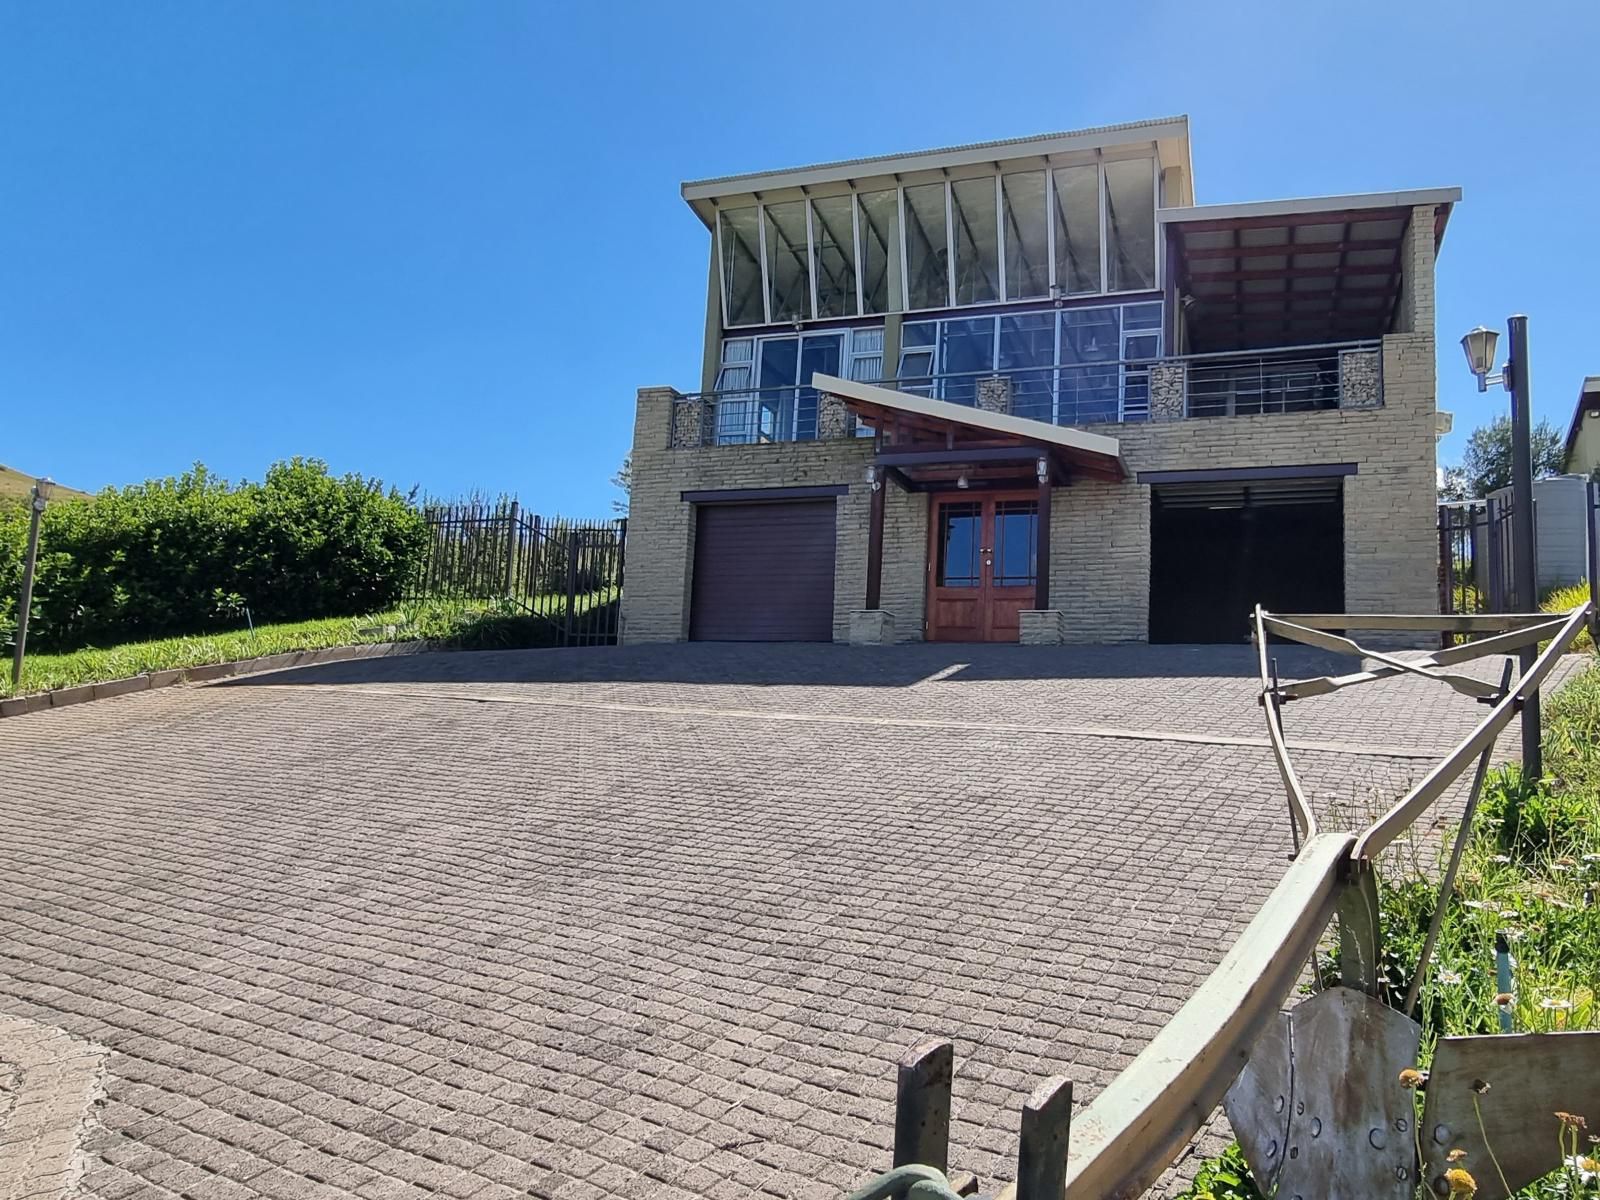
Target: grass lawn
[
  {"x": 459, "y": 624},
  {"x": 15, "y": 485}
]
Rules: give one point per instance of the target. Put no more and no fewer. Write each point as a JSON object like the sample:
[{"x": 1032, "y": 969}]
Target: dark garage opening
[
  {"x": 1218, "y": 550},
  {"x": 763, "y": 572}
]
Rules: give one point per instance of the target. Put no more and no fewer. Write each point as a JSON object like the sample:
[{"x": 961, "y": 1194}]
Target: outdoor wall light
[
  {"x": 43, "y": 491},
  {"x": 962, "y": 482},
  {"x": 1041, "y": 468},
  {"x": 1479, "y": 344},
  {"x": 872, "y": 477}
]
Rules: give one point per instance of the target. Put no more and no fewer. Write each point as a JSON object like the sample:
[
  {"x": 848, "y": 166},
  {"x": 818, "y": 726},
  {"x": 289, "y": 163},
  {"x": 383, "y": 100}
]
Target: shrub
[
  {"x": 189, "y": 554},
  {"x": 1565, "y": 599}
]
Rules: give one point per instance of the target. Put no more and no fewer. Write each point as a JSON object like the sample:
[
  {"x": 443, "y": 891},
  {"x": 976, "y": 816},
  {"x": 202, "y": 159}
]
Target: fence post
[
  {"x": 511, "y": 548},
  {"x": 572, "y": 583},
  {"x": 922, "y": 1106},
  {"x": 1592, "y": 535},
  {"x": 1046, "y": 1126}
]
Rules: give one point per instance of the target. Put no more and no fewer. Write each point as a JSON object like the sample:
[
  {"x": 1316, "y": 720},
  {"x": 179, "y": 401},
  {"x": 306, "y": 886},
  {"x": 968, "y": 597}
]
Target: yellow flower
[
  {"x": 1461, "y": 1182},
  {"x": 1411, "y": 1078}
]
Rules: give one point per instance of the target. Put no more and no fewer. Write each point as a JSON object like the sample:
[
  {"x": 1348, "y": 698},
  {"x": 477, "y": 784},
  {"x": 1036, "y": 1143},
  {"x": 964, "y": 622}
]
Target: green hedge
[{"x": 188, "y": 555}]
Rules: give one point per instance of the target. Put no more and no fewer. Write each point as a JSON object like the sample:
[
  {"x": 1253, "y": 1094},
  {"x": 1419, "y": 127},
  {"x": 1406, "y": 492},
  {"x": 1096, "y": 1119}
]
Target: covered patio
[{"x": 963, "y": 454}]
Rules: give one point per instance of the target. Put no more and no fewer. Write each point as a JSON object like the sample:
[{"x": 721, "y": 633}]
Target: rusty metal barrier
[{"x": 1133, "y": 1130}]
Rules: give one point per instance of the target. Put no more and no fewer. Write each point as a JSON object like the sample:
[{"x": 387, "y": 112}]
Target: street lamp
[
  {"x": 43, "y": 489},
  {"x": 1479, "y": 346}
]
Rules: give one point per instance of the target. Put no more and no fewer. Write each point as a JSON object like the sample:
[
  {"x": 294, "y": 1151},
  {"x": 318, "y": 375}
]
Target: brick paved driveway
[{"x": 642, "y": 922}]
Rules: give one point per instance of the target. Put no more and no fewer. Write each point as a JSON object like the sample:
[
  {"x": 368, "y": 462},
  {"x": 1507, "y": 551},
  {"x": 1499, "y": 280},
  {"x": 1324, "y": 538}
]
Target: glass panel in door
[
  {"x": 1016, "y": 543},
  {"x": 960, "y": 545},
  {"x": 779, "y": 363}
]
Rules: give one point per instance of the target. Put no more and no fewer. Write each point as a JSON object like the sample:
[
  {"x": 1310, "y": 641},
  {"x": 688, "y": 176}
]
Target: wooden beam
[
  {"x": 875, "y": 545},
  {"x": 922, "y": 1106},
  {"x": 1041, "y": 566},
  {"x": 1288, "y": 273},
  {"x": 1290, "y": 248}
]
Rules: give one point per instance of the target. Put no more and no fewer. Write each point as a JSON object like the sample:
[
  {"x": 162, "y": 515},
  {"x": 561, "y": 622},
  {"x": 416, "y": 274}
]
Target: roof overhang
[
  {"x": 1281, "y": 272},
  {"x": 1169, "y": 135},
  {"x": 1588, "y": 405},
  {"x": 913, "y": 421}
]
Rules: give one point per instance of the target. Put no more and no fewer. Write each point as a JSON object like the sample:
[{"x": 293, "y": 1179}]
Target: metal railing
[
  {"x": 1291, "y": 380},
  {"x": 1294, "y": 379}
]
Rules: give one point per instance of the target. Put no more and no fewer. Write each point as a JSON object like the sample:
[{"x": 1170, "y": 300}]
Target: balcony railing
[{"x": 1295, "y": 379}]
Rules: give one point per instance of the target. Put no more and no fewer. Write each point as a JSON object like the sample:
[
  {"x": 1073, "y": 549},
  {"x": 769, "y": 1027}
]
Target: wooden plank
[
  {"x": 1042, "y": 1152},
  {"x": 1148, "y": 1114},
  {"x": 1419, "y": 622},
  {"x": 1323, "y": 640},
  {"x": 1414, "y": 803},
  {"x": 922, "y": 1106},
  {"x": 1300, "y": 810}
]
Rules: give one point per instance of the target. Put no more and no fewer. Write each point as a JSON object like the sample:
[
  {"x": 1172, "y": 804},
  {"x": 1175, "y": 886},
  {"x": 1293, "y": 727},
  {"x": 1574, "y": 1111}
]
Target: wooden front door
[{"x": 981, "y": 565}]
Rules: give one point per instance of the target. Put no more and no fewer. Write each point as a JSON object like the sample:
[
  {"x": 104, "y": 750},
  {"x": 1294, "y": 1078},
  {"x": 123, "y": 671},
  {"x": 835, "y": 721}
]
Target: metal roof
[{"x": 925, "y": 160}]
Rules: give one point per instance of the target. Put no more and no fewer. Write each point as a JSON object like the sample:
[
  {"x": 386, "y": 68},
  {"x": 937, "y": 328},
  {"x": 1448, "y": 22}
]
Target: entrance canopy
[{"x": 931, "y": 443}]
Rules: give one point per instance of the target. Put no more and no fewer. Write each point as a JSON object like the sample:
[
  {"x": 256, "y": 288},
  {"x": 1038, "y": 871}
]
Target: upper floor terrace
[{"x": 1069, "y": 279}]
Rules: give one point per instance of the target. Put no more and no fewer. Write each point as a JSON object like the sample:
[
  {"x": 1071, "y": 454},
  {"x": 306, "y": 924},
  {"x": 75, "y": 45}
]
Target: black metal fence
[
  {"x": 567, "y": 573},
  {"x": 1475, "y": 559}
]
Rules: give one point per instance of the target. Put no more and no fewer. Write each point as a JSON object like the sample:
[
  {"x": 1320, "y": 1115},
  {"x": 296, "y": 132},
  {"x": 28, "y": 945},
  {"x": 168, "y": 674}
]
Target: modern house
[{"x": 1030, "y": 390}]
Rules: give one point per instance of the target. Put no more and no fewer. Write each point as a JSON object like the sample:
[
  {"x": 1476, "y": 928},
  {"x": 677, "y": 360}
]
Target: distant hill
[{"x": 15, "y": 485}]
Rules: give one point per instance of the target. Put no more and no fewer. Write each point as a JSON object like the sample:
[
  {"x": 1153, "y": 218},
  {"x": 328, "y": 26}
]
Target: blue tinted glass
[
  {"x": 1016, "y": 525},
  {"x": 1029, "y": 341},
  {"x": 919, "y": 333},
  {"x": 1141, "y": 316},
  {"x": 1090, "y": 335},
  {"x": 959, "y": 527},
  {"x": 967, "y": 350}
]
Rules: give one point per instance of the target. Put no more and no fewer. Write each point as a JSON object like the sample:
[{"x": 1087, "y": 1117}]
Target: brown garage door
[{"x": 763, "y": 573}]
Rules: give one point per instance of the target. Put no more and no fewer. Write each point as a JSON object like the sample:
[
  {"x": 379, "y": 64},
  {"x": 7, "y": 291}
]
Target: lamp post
[
  {"x": 42, "y": 491},
  {"x": 1479, "y": 345}
]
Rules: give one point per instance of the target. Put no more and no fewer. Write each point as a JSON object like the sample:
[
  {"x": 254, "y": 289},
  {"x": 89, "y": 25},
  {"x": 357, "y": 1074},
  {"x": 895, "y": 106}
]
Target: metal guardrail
[
  {"x": 1122, "y": 1141},
  {"x": 1294, "y": 379}
]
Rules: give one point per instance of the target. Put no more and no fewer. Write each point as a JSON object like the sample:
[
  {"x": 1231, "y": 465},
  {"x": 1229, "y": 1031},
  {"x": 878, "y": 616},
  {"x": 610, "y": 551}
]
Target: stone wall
[{"x": 655, "y": 601}]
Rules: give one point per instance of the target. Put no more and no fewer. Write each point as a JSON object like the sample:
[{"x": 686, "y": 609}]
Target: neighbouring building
[
  {"x": 1030, "y": 390},
  {"x": 1583, "y": 435}
]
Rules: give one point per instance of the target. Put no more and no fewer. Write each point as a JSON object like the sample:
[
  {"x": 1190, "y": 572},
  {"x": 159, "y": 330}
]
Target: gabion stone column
[
  {"x": 994, "y": 394},
  {"x": 693, "y": 420},
  {"x": 1169, "y": 383}
]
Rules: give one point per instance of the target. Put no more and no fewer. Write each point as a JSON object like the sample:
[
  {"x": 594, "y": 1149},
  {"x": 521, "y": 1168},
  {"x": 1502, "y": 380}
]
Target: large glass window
[
  {"x": 977, "y": 240},
  {"x": 739, "y": 244},
  {"x": 927, "y": 248},
  {"x": 1077, "y": 229},
  {"x": 880, "y": 230},
  {"x": 788, "y": 268},
  {"x": 833, "y": 255},
  {"x": 966, "y": 350},
  {"x": 1026, "y": 353},
  {"x": 1091, "y": 347},
  {"x": 1130, "y": 225},
  {"x": 1027, "y": 235}
]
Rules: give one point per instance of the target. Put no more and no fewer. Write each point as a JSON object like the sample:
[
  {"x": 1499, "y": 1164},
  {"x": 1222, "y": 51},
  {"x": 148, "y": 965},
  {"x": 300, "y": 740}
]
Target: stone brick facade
[{"x": 1100, "y": 532}]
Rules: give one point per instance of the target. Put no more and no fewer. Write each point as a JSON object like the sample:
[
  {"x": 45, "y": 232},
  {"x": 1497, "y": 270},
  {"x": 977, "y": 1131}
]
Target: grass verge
[
  {"x": 464, "y": 625},
  {"x": 1531, "y": 870}
]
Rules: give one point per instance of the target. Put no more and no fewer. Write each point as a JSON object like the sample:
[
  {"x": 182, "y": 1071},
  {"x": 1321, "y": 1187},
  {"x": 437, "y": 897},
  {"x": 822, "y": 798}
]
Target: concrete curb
[{"x": 80, "y": 693}]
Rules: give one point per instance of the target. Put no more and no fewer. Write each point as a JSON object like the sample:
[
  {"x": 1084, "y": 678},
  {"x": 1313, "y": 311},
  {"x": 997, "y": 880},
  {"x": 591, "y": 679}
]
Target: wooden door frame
[{"x": 988, "y": 500}]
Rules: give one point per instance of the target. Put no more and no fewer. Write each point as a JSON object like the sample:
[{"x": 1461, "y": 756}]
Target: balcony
[{"x": 1299, "y": 379}]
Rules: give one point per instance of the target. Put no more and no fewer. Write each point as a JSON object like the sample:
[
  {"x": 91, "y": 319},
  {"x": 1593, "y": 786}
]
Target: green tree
[
  {"x": 623, "y": 482},
  {"x": 1486, "y": 465}
]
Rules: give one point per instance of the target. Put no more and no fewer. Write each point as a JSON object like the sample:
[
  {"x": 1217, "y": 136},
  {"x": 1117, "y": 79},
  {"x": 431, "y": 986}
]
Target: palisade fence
[
  {"x": 1476, "y": 574},
  {"x": 567, "y": 573}
]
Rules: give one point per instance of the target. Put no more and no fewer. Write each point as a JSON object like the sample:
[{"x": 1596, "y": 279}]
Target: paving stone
[{"x": 650, "y": 921}]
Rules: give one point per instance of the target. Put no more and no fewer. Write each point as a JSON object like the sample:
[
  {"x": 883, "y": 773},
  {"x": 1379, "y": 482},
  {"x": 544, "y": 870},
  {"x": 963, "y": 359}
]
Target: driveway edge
[{"x": 81, "y": 693}]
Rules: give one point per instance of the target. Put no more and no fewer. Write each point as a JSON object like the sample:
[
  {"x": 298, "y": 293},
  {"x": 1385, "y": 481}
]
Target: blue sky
[{"x": 442, "y": 243}]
